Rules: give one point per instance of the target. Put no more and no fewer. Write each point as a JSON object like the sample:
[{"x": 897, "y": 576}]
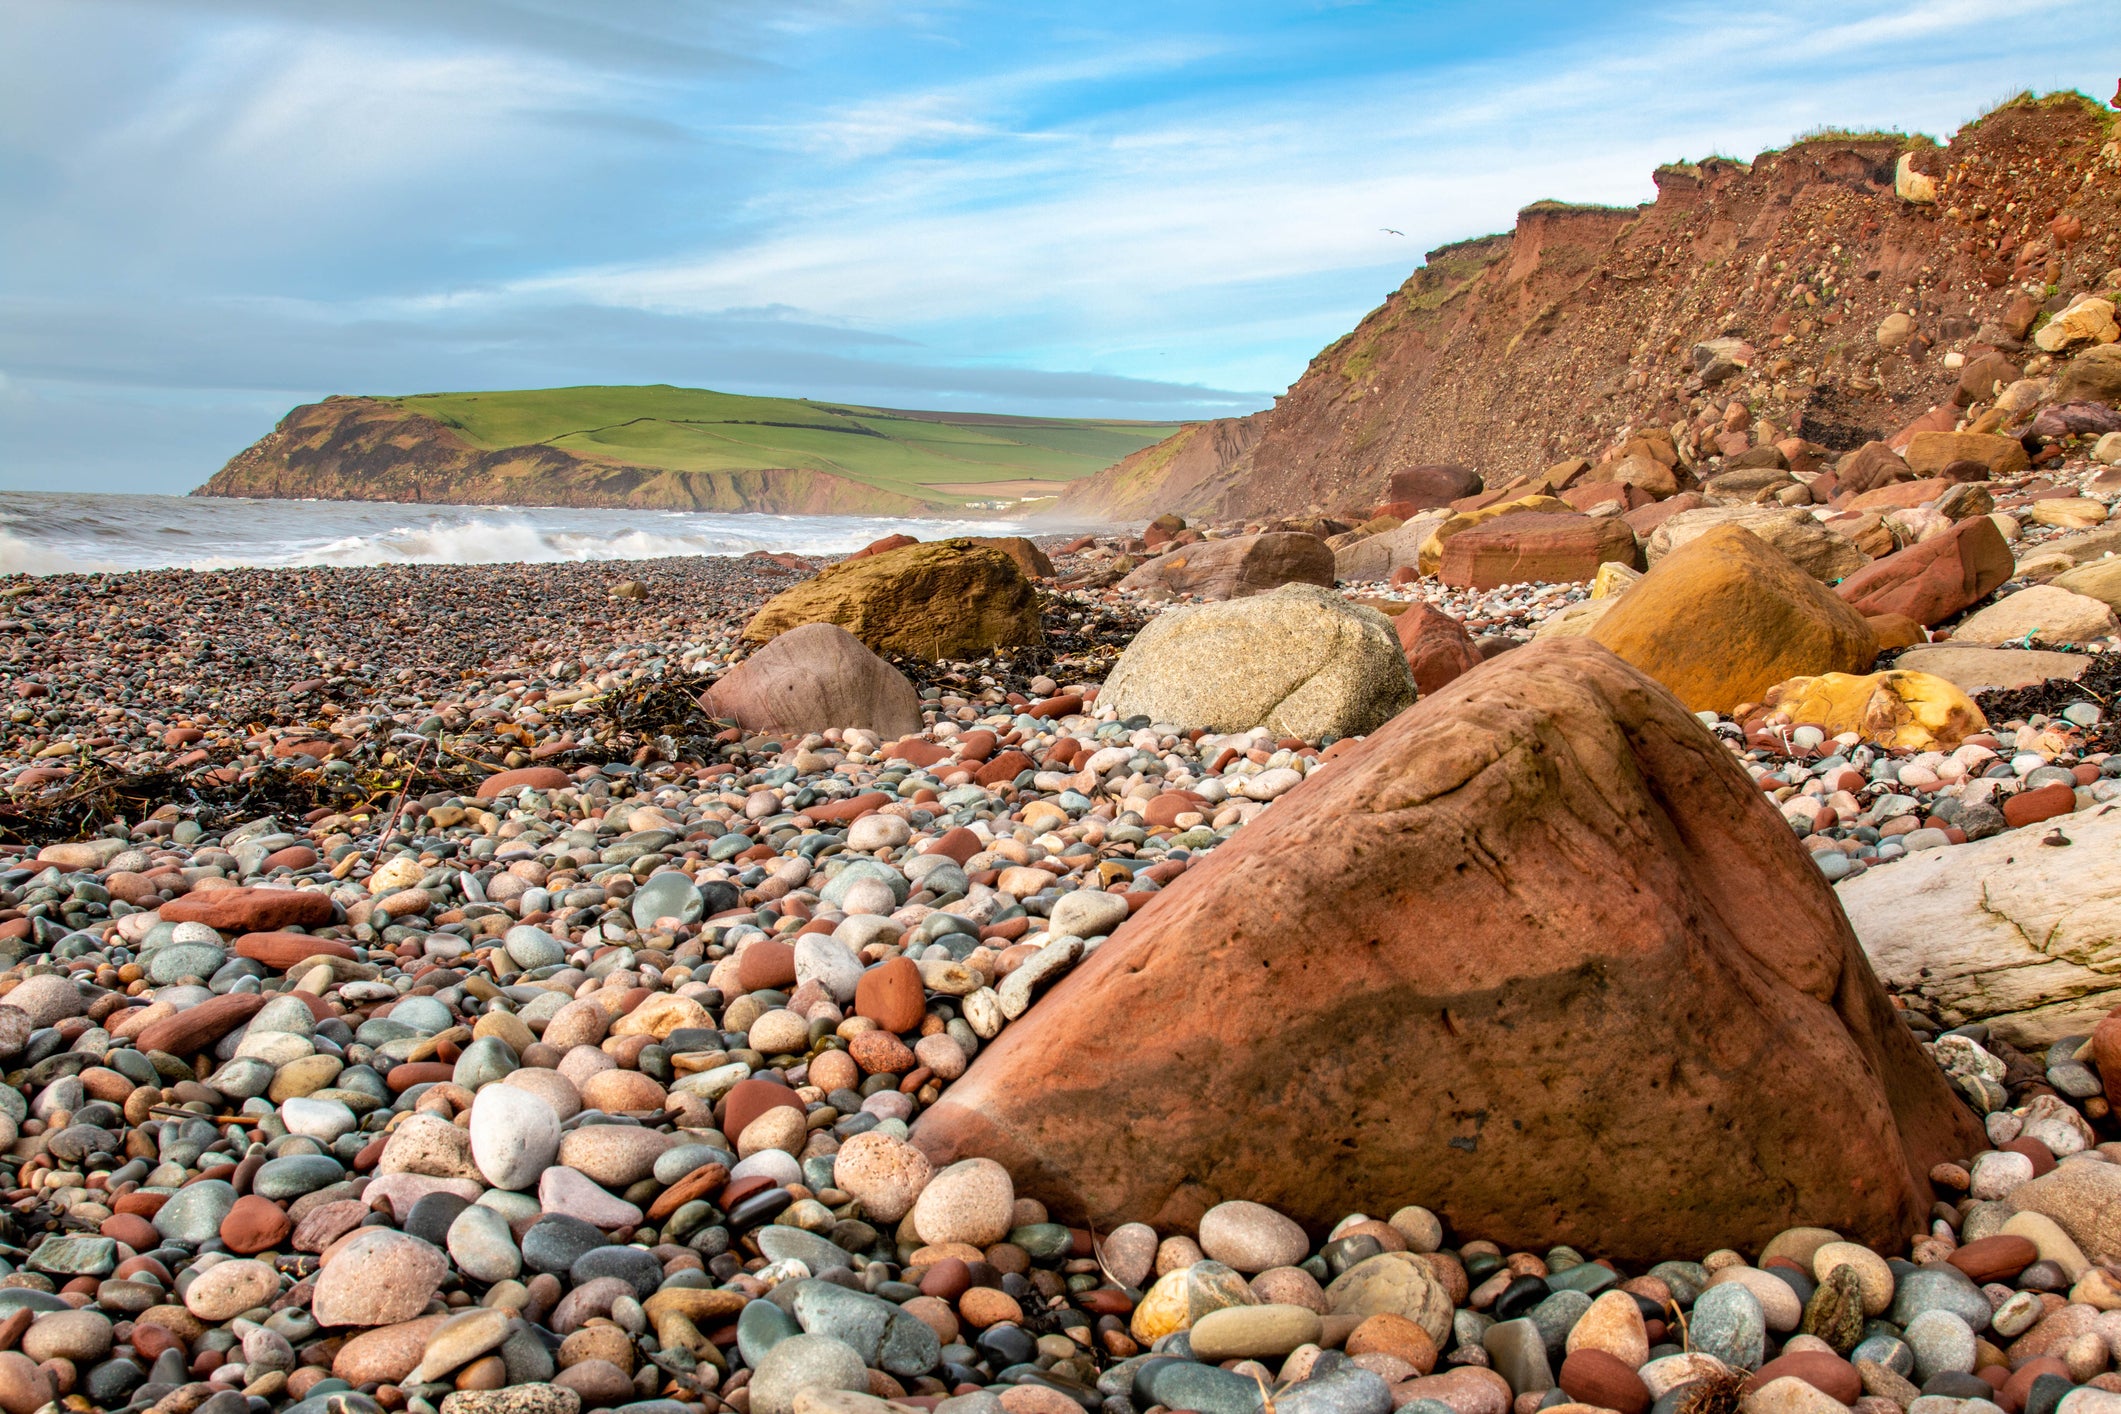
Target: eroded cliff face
[
  {"x": 365, "y": 449},
  {"x": 1511, "y": 352}
]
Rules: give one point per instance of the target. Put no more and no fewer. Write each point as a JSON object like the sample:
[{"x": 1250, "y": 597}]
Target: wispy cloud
[{"x": 210, "y": 206}]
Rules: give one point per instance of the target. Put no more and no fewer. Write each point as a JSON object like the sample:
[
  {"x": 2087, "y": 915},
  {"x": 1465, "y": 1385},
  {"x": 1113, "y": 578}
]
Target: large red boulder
[
  {"x": 1936, "y": 578},
  {"x": 1537, "y": 955},
  {"x": 1438, "y": 647},
  {"x": 1552, "y": 548},
  {"x": 812, "y": 678},
  {"x": 1427, "y": 488},
  {"x": 1234, "y": 568}
]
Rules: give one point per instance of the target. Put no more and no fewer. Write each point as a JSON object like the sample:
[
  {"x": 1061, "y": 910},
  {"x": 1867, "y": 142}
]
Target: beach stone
[
  {"x": 1938, "y": 1289},
  {"x": 1130, "y": 1252},
  {"x": 1251, "y": 1237},
  {"x": 1547, "y": 548},
  {"x": 804, "y": 1362},
  {"x": 516, "y": 1399},
  {"x": 1779, "y": 1303},
  {"x": 2043, "y": 614},
  {"x": 1183, "y": 1384},
  {"x": 1725, "y": 616},
  {"x": 230, "y": 1288},
  {"x": 884, "y": 1173},
  {"x": 1612, "y": 1325},
  {"x": 378, "y": 1279},
  {"x": 666, "y": 895},
  {"x": 1345, "y": 1389},
  {"x": 1728, "y": 1324},
  {"x": 515, "y": 1136},
  {"x": 79, "y": 1336},
  {"x": 1596, "y": 1380},
  {"x": 882, "y": 1334},
  {"x": 1874, "y": 1278},
  {"x": 1184, "y": 1295},
  {"x": 47, "y": 1000},
  {"x": 24, "y": 1387},
  {"x": 1235, "y": 567},
  {"x": 812, "y": 678},
  {"x": 1993, "y": 931},
  {"x": 1935, "y": 578},
  {"x": 1942, "y": 1343},
  {"x": 1461, "y": 1391},
  {"x": 1247, "y": 1332},
  {"x": 1794, "y": 535},
  {"x": 252, "y": 910},
  {"x": 2084, "y": 1200},
  {"x": 1787, "y": 1394},
  {"x": 1300, "y": 661},
  {"x": 615, "y": 1155},
  {"x": 195, "y": 1212},
  {"x": 254, "y": 1224},
  {"x": 1393, "y": 1283},
  {"x": 939, "y": 599},
  {"x": 555, "y": 1242},
  {"x": 1517, "y": 1350},
  {"x": 1088, "y": 913},
  {"x": 1736, "y": 901},
  {"x": 970, "y": 1201},
  {"x": 564, "y": 1192},
  {"x": 1438, "y": 647},
  {"x": 892, "y": 995},
  {"x": 481, "y": 1245},
  {"x": 293, "y": 1175}
]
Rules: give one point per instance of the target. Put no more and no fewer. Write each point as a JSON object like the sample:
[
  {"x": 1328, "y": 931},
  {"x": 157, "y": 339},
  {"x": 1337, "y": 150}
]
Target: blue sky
[{"x": 212, "y": 210}]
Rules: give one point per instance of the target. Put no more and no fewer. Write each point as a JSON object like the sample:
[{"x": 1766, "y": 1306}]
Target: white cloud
[{"x": 1109, "y": 217}]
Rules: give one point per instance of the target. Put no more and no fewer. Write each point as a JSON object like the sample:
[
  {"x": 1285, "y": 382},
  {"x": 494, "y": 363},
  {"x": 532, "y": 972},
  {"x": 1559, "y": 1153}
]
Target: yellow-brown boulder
[
  {"x": 1907, "y": 710},
  {"x": 943, "y": 599},
  {"x": 1726, "y": 616}
]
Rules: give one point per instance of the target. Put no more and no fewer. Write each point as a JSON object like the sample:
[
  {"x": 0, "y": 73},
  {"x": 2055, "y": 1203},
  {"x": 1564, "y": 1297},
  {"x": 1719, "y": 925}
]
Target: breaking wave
[{"x": 79, "y": 534}]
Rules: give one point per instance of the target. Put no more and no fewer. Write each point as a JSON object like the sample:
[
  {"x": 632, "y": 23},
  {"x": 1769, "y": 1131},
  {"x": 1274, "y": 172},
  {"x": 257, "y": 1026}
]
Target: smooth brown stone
[{"x": 251, "y": 910}]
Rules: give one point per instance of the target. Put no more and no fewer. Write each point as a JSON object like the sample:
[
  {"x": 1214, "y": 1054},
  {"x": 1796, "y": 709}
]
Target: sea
[{"x": 65, "y": 533}]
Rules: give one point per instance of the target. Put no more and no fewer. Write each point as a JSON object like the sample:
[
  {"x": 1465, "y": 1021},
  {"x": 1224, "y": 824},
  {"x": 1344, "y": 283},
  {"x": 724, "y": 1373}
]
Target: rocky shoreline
[{"x": 1321, "y": 967}]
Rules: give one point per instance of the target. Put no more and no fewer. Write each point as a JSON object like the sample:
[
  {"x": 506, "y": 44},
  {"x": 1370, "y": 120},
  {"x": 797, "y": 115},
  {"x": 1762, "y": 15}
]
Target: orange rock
[
  {"x": 252, "y": 910},
  {"x": 891, "y": 995},
  {"x": 1726, "y": 616}
]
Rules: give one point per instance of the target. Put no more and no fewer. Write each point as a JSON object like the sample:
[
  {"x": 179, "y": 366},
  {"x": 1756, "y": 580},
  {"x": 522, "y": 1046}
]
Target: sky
[{"x": 212, "y": 211}]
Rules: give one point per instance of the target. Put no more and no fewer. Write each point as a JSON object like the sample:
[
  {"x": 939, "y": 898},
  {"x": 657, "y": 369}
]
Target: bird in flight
[{"x": 1390, "y": 232}]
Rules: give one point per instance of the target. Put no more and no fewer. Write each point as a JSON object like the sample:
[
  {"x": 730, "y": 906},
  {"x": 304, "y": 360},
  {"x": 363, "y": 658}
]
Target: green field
[{"x": 942, "y": 456}]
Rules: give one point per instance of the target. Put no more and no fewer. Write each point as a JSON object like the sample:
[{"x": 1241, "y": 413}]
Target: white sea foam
[{"x": 61, "y": 534}]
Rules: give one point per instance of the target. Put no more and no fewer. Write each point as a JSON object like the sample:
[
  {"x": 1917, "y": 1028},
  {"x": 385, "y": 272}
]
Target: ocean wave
[{"x": 43, "y": 534}]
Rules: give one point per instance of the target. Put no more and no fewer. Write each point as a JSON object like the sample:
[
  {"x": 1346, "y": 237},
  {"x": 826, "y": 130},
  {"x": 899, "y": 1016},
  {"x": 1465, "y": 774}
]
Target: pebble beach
[{"x": 425, "y": 992}]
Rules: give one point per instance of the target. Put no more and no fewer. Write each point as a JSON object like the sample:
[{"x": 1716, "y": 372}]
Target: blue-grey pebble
[
  {"x": 1185, "y": 1384},
  {"x": 194, "y": 1212},
  {"x": 883, "y": 1335},
  {"x": 485, "y": 1060},
  {"x": 1728, "y": 1324},
  {"x": 1517, "y": 1351},
  {"x": 779, "y": 1243},
  {"x": 1941, "y": 1343},
  {"x": 1687, "y": 1280},
  {"x": 295, "y": 1175},
  {"x": 1939, "y": 1288},
  {"x": 1349, "y": 1389},
  {"x": 760, "y": 1326},
  {"x": 1556, "y": 1316}
]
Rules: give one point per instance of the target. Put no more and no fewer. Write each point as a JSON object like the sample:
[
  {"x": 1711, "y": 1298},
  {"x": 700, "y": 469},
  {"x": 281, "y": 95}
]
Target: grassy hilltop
[{"x": 666, "y": 446}]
